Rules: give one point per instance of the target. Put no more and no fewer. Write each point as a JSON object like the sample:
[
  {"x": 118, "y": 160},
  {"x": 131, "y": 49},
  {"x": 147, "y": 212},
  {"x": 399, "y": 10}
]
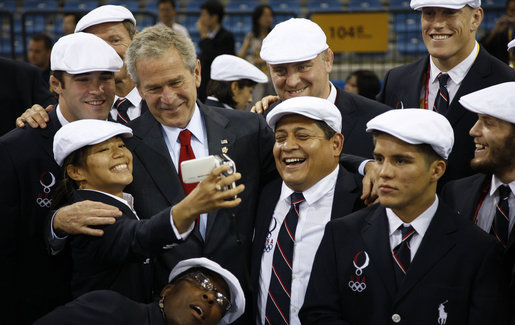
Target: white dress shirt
[
  {"x": 314, "y": 214},
  {"x": 456, "y": 76},
  {"x": 199, "y": 145},
  {"x": 420, "y": 224},
  {"x": 487, "y": 211},
  {"x": 134, "y": 110}
]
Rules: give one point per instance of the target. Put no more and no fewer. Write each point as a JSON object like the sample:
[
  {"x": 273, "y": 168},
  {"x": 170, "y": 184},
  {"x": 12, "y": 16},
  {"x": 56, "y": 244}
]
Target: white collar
[
  {"x": 332, "y": 93},
  {"x": 496, "y": 182},
  {"x": 194, "y": 126},
  {"x": 458, "y": 73},
  {"x": 60, "y": 116},
  {"x": 315, "y": 192},
  {"x": 420, "y": 223},
  {"x": 133, "y": 96},
  {"x": 127, "y": 199}
]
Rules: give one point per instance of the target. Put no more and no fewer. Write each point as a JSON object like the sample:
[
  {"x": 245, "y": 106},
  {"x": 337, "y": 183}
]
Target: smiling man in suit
[
  {"x": 488, "y": 198},
  {"x": 410, "y": 259},
  {"x": 307, "y": 148},
  {"x": 449, "y": 30}
]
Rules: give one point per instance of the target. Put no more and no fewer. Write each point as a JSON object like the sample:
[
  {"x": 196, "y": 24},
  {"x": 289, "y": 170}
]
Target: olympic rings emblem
[
  {"x": 269, "y": 243},
  {"x": 44, "y": 202},
  {"x": 357, "y": 286}
]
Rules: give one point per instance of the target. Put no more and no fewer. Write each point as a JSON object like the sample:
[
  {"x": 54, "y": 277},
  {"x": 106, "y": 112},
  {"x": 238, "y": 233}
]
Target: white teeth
[
  {"x": 479, "y": 146},
  {"x": 440, "y": 37},
  {"x": 293, "y": 160},
  {"x": 296, "y": 91},
  {"x": 120, "y": 167},
  {"x": 95, "y": 102}
]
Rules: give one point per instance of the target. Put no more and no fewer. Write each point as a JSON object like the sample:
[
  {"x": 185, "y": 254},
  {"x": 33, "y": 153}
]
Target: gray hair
[{"x": 153, "y": 42}]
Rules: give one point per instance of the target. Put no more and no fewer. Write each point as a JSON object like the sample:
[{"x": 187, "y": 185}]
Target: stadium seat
[
  {"x": 399, "y": 4},
  {"x": 321, "y": 6},
  {"x": 369, "y": 5},
  {"x": 411, "y": 43},
  {"x": 40, "y": 5},
  {"x": 8, "y": 5},
  {"x": 133, "y": 5},
  {"x": 406, "y": 22},
  {"x": 239, "y": 6},
  {"x": 80, "y": 5},
  {"x": 281, "y": 6}
]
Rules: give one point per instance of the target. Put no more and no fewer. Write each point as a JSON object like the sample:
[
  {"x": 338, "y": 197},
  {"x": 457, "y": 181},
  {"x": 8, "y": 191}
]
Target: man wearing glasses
[{"x": 200, "y": 290}]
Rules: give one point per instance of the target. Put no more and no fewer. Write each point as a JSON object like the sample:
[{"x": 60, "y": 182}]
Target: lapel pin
[
  {"x": 224, "y": 149},
  {"x": 224, "y": 141},
  {"x": 357, "y": 282}
]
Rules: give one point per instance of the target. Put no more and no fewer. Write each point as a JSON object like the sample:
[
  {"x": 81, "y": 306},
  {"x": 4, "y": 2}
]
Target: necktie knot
[
  {"x": 185, "y": 137},
  {"x": 407, "y": 232},
  {"x": 442, "y": 79},
  {"x": 296, "y": 198},
  {"x": 122, "y": 106},
  {"x": 504, "y": 192}
]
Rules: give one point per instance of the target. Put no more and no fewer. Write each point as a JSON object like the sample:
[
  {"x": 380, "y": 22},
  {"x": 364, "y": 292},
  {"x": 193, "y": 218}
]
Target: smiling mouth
[
  {"x": 293, "y": 161},
  {"x": 95, "y": 102},
  {"x": 440, "y": 37},
  {"x": 120, "y": 167},
  {"x": 197, "y": 310},
  {"x": 296, "y": 92}
]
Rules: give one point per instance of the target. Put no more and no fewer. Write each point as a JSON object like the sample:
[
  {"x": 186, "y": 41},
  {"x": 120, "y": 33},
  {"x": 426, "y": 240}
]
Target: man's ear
[
  {"x": 167, "y": 289},
  {"x": 196, "y": 72},
  {"x": 56, "y": 85},
  {"x": 438, "y": 168}
]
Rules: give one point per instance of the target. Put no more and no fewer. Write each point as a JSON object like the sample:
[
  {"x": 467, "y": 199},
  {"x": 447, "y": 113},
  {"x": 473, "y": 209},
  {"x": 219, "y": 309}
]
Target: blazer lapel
[
  {"x": 437, "y": 242},
  {"x": 377, "y": 244},
  {"x": 219, "y": 141},
  {"x": 48, "y": 133},
  {"x": 154, "y": 155},
  {"x": 479, "y": 70}
]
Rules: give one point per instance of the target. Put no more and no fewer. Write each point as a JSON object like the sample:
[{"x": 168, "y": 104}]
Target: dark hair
[
  {"x": 328, "y": 132},
  {"x": 43, "y": 37},
  {"x": 256, "y": 14},
  {"x": 368, "y": 83},
  {"x": 223, "y": 92},
  {"x": 214, "y": 8},
  {"x": 66, "y": 186},
  {"x": 507, "y": 4},
  {"x": 172, "y": 2},
  {"x": 76, "y": 16}
]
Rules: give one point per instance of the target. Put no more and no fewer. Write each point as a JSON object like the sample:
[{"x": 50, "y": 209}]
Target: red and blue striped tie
[{"x": 278, "y": 302}]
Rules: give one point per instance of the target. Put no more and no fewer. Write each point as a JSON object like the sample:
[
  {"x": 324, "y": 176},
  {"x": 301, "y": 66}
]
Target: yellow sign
[{"x": 354, "y": 32}]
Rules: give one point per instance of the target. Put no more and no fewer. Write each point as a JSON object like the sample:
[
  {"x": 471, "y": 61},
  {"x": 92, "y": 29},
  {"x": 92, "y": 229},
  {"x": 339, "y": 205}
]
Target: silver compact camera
[{"x": 196, "y": 170}]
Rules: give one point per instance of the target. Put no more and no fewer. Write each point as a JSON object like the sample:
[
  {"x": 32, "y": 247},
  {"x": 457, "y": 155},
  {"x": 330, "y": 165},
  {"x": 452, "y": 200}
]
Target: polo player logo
[{"x": 442, "y": 314}]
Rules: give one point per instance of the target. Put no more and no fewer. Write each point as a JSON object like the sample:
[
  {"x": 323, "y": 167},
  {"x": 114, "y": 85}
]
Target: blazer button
[{"x": 396, "y": 318}]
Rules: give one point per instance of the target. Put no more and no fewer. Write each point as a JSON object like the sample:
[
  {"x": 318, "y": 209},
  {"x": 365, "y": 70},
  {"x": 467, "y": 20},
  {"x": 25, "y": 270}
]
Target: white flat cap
[
  {"x": 497, "y": 101},
  {"x": 237, "y": 297},
  {"x": 104, "y": 14},
  {"x": 451, "y": 4},
  {"x": 511, "y": 45},
  {"x": 84, "y": 52},
  {"x": 315, "y": 108},
  {"x": 416, "y": 126},
  {"x": 294, "y": 40},
  {"x": 227, "y": 67},
  {"x": 81, "y": 133}
]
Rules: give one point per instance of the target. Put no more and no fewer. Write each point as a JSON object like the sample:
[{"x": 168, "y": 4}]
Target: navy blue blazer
[
  {"x": 346, "y": 200},
  {"x": 104, "y": 307},
  {"x": 32, "y": 282},
  {"x": 402, "y": 86},
  {"x": 21, "y": 86},
  {"x": 245, "y": 138},
  {"x": 464, "y": 196},
  {"x": 456, "y": 274},
  {"x": 122, "y": 259}
]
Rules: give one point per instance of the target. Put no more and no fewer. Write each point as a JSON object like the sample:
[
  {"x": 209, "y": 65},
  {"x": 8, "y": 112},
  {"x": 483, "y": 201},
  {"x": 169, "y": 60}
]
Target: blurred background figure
[
  {"x": 166, "y": 12},
  {"x": 495, "y": 41},
  {"x": 40, "y": 47},
  {"x": 232, "y": 81},
  {"x": 364, "y": 83},
  {"x": 262, "y": 20},
  {"x": 69, "y": 22},
  {"x": 214, "y": 40}
]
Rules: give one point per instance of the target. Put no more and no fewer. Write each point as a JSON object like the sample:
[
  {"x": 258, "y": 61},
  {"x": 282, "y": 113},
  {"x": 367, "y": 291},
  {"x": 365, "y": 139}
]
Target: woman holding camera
[{"x": 97, "y": 166}]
